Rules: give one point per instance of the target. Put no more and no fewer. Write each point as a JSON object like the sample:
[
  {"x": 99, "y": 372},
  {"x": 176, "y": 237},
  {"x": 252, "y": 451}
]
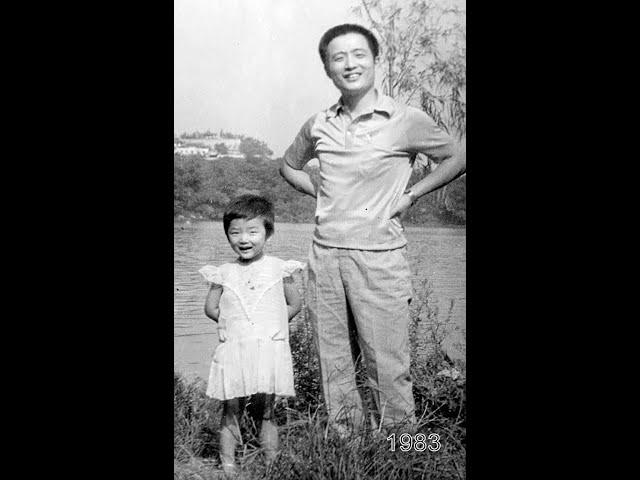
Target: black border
[
  {"x": 535, "y": 300},
  {"x": 100, "y": 386},
  {"x": 101, "y": 284}
]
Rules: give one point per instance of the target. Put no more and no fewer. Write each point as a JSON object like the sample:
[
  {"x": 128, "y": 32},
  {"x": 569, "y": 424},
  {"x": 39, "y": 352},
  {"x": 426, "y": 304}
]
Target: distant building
[
  {"x": 190, "y": 150},
  {"x": 206, "y": 146}
]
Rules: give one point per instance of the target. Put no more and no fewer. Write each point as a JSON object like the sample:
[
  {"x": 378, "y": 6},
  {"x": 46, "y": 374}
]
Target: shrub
[
  {"x": 196, "y": 420},
  {"x": 311, "y": 450}
]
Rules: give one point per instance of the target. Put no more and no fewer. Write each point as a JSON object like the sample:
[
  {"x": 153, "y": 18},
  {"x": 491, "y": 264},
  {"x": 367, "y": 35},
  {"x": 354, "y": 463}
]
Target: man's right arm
[
  {"x": 298, "y": 179},
  {"x": 294, "y": 159}
]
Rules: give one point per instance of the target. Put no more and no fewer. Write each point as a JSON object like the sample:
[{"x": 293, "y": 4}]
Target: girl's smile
[{"x": 247, "y": 237}]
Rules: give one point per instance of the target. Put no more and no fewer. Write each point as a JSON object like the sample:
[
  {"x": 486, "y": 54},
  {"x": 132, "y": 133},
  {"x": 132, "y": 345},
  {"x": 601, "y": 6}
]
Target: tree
[
  {"x": 204, "y": 188},
  {"x": 221, "y": 148},
  {"x": 423, "y": 45},
  {"x": 254, "y": 149},
  {"x": 423, "y": 56}
]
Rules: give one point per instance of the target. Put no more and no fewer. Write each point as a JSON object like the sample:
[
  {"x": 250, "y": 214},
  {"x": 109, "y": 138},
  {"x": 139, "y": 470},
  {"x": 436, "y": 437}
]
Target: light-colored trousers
[{"x": 362, "y": 295}]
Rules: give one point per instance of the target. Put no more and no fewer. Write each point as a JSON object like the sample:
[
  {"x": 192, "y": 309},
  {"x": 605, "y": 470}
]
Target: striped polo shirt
[{"x": 365, "y": 166}]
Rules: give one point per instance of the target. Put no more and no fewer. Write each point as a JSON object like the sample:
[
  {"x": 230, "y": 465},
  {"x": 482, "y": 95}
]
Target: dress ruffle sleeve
[
  {"x": 291, "y": 266},
  {"x": 211, "y": 274}
]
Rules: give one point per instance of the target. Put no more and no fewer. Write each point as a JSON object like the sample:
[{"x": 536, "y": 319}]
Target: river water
[{"x": 437, "y": 255}]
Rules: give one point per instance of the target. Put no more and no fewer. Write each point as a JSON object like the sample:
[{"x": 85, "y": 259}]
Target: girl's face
[{"x": 247, "y": 237}]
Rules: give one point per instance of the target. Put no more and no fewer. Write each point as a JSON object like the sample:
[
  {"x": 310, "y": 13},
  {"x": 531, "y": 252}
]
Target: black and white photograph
[{"x": 319, "y": 239}]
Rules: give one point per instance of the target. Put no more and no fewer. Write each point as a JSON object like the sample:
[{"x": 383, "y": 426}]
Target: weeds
[
  {"x": 310, "y": 450},
  {"x": 196, "y": 420}
]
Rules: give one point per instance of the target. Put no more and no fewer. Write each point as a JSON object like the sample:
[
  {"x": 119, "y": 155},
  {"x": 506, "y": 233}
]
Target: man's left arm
[
  {"x": 447, "y": 171},
  {"x": 424, "y": 136}
]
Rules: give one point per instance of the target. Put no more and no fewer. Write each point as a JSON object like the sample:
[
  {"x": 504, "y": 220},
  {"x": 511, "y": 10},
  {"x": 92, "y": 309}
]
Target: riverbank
[
  {"x": 308, "y": 449},
  {"x": 437, "y": 257},
  {"x": 191, "y": 217},
  {"x": 203, "y": 189}
]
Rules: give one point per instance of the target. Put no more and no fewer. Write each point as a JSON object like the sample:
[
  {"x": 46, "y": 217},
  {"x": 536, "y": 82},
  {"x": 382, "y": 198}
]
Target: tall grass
[{"x": 311, "y": 450}]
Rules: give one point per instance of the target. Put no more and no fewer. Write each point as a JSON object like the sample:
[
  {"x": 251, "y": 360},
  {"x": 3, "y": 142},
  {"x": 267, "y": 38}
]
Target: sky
[{"x": 251, "y": 67}]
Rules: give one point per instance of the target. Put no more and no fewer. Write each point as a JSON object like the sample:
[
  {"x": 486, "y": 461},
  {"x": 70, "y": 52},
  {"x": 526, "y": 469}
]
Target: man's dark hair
[
  {"x": 343, "y": 29},
  {"x": 249, "y": 207}
]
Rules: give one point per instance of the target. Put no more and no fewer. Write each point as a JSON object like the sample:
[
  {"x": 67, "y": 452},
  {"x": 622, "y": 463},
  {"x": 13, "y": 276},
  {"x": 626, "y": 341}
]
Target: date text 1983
[{"x": 420, "y": 442}]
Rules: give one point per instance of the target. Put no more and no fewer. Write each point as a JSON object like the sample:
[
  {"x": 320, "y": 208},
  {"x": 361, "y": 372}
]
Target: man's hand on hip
[{"x": 402, "y": 206}]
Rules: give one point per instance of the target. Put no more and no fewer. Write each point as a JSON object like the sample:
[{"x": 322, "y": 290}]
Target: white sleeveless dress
[{"x": 256, "y": 357}]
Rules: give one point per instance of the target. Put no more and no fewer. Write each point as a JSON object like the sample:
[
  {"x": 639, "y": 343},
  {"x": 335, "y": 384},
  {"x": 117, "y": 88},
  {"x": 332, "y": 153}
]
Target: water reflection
[{"x": 436, "y": 254}]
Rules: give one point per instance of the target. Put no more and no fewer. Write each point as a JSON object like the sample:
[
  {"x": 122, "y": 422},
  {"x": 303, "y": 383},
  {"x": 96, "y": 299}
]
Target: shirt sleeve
[
  {"x": 291, "y": 266},
  {"x": 211, "y": 274},
  {"x": 425, "y": 136},
  {"x": 302, "y": 149}
]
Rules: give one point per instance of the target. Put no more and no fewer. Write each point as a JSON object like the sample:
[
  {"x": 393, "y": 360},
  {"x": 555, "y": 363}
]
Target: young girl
[{"x": 252, "y": 299}]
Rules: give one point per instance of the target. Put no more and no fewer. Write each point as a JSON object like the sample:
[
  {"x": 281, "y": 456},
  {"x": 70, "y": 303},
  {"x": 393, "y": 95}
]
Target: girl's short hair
[
  {"x": 249, "y": 207},
  {"x": 343, "y": 29}
]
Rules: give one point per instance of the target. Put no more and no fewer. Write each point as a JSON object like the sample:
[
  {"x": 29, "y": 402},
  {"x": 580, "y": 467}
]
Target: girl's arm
[
  {"x": 211, "y": 308},
  {"x": 291, "y": 295}
]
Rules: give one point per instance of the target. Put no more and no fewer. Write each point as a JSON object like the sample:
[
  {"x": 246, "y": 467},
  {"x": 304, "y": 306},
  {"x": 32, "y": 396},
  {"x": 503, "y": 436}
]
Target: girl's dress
[{"x": 256, "y": 357}]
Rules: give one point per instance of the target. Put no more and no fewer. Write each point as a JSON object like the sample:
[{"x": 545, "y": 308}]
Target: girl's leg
[
  {"x": 268, "y": 429},
  {"x": 229, "y": 434}
]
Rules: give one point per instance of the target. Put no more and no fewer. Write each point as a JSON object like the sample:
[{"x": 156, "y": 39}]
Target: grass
[{"x": 310, "y": 450}]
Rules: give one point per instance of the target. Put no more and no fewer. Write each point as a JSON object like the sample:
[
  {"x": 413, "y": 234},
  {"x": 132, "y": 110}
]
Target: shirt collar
[{"x": 384, "y": 104}]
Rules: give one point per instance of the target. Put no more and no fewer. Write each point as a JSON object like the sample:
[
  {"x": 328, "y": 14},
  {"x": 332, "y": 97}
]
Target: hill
[{"x": 203, "y": 188}]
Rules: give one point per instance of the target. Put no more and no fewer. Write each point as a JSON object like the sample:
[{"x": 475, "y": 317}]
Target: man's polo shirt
[{"x": 365, "y": 166}]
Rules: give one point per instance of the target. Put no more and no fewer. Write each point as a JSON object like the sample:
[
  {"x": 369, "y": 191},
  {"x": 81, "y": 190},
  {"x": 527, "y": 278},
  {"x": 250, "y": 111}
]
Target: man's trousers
[{"x": 362, "y": 294}]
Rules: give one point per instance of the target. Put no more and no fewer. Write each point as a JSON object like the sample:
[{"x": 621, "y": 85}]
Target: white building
[
  {"x": 206, "y": 146},
  {"x": 190, "y": 150}
]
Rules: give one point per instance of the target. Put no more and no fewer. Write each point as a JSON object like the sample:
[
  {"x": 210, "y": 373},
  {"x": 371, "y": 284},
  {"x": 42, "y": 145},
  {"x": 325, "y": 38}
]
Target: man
[{"x": 359, "y": 278}]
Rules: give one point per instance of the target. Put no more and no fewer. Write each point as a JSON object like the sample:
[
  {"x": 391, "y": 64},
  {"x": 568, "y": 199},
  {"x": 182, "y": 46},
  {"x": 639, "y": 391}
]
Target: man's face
[{"x": 350, "y": 63}]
